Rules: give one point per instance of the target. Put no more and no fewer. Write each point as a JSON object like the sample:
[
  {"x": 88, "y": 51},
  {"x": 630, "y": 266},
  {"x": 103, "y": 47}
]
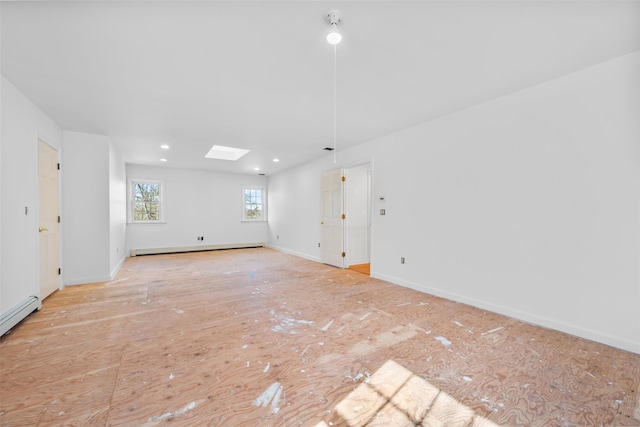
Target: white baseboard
[
  {"x": 117, "y": 267},
  {"x": 290, "y": 252},
  {"x": 86, "y": 280},
  {"x": 546, "y": 322}
]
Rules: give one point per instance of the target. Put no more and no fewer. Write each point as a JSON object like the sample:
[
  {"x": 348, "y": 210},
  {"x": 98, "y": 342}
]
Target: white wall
[
  {"x": 295, "y": 209},
  {"x": 526, "y": 205},
  {"x": 22, "y": 124},
  {"x": 117, "y": 211},
  {"x": 86, "y": 210},
  {"x": 197, "y": 203}
]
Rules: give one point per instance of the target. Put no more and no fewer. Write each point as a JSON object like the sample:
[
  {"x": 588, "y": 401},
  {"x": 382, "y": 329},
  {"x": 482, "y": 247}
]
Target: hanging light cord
[{"x": 335, "y": 91}]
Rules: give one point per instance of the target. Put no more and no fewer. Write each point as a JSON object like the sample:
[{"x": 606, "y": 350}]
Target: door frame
[{"x": 345, "y": 234}]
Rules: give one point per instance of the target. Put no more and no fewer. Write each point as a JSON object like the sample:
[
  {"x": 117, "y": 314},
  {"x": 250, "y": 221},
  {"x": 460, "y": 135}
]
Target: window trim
[
  {"x": 263, "y": 189},
  {"x": 131, "y": 202}
]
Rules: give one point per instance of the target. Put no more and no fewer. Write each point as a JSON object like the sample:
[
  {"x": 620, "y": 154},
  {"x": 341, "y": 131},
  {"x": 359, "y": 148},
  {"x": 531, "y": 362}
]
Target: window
[
  {"x": 146, "y": 201},
  {"x": 255, "y": 208}
]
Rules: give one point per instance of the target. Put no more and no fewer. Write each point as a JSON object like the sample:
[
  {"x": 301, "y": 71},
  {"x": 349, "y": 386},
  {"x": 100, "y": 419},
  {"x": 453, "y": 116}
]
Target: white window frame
[
  {"x": 161, "y": 202},
  {"x": 263, "y": 204}
]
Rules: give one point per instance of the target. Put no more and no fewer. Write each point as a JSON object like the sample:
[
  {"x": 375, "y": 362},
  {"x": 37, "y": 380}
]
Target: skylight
[{"x": 221, "y": 152}]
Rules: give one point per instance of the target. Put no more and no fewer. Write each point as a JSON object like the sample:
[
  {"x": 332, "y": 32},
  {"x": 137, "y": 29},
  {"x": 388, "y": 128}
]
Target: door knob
[{"x": 41, "y": 229}]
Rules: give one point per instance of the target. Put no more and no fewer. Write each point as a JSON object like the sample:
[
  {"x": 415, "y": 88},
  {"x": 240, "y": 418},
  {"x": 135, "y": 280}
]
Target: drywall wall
[
  {"x": 295, "y": 209},
  {"x": 117, "y": 211},
  {"x": 196, "y": 203},
  {"x": 22, "y": 125},
  {"x": 526, "y": 205},
  {"x": 94, "y": 208},
  {"x": 86, "y": 210}
]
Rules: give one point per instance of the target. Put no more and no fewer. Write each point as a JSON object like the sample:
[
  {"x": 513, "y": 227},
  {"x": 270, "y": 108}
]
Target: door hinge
[
  {"x": 58, "y": 219},
  {"x": 344, "y": 178},
  {"x": 344, "y": 216},
  {"x": 344, "y": 254},
  {"x": 58, "y": 166},
  {"x": 59, "y": 271}
]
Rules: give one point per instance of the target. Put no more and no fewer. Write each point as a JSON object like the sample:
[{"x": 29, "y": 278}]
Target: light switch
[{"x": 382, "y": 212}]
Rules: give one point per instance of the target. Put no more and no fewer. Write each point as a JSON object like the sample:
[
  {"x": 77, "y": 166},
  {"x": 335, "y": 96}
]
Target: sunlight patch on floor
[{"x": 394, "y": 396}]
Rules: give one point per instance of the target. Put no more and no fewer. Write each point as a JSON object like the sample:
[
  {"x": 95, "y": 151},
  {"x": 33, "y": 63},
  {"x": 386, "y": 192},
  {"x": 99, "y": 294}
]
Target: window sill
[{"x": 146, "y": 223}]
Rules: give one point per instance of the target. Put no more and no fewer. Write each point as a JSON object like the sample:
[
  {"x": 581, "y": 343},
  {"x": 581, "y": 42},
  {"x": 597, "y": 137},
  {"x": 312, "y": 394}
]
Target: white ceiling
[{"x": 258, "y": 75}]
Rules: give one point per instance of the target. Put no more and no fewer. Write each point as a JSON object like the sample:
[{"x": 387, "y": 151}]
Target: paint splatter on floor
[
  {"x": 166, "y": 415},
  {"x": 443, "y": 340},
  {"x": 271, "y": 394},
  {"x": 286, "y": 324},
  {"x": 326, "y": 327}
]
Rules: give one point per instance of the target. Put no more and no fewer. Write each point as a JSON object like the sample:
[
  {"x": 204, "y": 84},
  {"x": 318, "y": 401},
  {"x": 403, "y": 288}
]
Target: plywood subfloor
[
  {"x": 361, "y": 268},
  {"x": 260, "y": 338}
]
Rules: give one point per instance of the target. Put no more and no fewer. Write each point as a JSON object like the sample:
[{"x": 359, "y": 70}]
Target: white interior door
[
  {"x": 48, "y": 216},
  {"x": 358, "y": 209},
  {"x": 332, "y": 234}
]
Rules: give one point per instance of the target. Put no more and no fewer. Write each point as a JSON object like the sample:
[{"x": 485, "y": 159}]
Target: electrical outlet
[
  {"x": 401, "y": 260},
  {"x": 202, "y": 238},
  {"x": 278, "y": 237},
  {"x": 318, "y": 244}
]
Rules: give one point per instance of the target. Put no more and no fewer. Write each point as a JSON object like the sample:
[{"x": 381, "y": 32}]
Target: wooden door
[
  {"x": 332, "y": 234},
  {"x": 48, "y": 217}
]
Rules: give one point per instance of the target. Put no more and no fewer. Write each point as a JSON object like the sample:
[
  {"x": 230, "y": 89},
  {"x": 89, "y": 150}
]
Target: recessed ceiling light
[
  {"x": 256, "y": 169},
  {"x": 276, "y": 160},
  {"x": 221, "y": 152},
  {"x": 163, "y": 160},
  {"x": 164, "y": 147}
]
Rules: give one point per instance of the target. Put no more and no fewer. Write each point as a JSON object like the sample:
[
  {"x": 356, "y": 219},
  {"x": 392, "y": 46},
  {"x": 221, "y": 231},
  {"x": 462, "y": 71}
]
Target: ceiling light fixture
[
  {"x": 276, "y": 160},
  {"x": 163, "y": 160},
  {"x": 334, "y": 17},
  {"x": 164, "y": 147}
]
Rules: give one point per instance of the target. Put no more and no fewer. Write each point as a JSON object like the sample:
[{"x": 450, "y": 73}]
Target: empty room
[{"x": 316, "y": 213}]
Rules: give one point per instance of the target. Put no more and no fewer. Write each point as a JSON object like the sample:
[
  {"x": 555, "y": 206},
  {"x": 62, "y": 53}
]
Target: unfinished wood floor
[{"x": 260, "y": 338}]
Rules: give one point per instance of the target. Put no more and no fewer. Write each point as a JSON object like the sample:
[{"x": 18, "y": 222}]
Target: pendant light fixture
[
  {"x": 334, "y": 17},
  {"x": 334, "y": 37}
]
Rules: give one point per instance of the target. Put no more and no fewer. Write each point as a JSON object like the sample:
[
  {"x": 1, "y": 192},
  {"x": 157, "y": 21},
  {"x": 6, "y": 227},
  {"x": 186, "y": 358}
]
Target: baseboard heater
[
  {"x": 18, "y": 313},
  {"x": 199, "y": 248}
]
